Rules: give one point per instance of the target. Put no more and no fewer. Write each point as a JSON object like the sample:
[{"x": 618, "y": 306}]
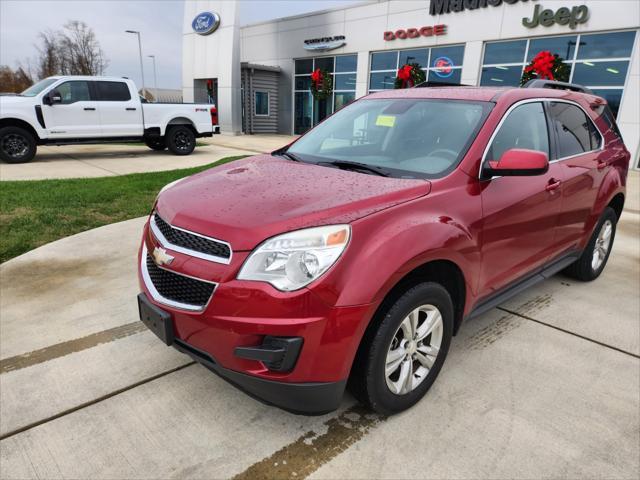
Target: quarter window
[
  {"x": 576, "y": 132},
  {"x": 76, "y": 91},
  {"x": 525, "y": 127},
  {"x": 113, "y": 91}
]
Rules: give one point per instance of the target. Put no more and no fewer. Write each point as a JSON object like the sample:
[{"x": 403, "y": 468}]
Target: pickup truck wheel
[
  {"x": 594, "y": 258},
  {"x": 157, "y": 143},
  {"x": 17, "y": 145},
  {"x": 399, "y": 361},
  {"x": 180, "y": 140}
]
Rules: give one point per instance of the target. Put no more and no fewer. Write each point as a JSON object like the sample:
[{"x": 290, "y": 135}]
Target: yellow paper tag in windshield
[{"x": 385, "y": 121}]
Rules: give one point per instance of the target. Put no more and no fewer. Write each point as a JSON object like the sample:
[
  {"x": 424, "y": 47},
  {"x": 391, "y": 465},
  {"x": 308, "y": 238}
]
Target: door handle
[
  {"x": 130, "y": 108},
  {"x": 553, "y": 185},
  {"x": 602, "y": 165},
  {"x": 89, "y": 109}
]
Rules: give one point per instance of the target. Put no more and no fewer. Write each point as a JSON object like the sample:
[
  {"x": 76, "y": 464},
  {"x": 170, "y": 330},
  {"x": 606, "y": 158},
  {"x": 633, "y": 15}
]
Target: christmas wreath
[
  {"x": 409, "y": 75},
  {"x": 546, "y": 66},
  {"x": 321, "y": 84}
]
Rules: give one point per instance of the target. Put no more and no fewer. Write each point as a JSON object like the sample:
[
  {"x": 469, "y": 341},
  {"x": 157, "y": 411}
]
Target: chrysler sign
[{"x": 325, "y": 43}]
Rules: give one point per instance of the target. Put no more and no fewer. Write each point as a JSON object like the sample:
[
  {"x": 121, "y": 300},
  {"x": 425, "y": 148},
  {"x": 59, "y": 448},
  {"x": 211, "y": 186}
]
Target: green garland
[
  {"x": 409, "y": 75},
  {"x": 546, "y": 66},
  {"x": 321, "y": 84}
]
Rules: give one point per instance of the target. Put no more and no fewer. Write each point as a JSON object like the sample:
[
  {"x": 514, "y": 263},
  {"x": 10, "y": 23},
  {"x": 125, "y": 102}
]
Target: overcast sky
[{"x": 160, "y": 22}]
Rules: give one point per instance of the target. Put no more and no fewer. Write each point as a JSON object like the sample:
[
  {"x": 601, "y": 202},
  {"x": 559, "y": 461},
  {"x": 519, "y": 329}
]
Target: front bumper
[{"x": 243, "y": 313}]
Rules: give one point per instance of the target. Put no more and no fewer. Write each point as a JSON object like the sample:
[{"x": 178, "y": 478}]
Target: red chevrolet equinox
[{"x": 352, "y": 256}]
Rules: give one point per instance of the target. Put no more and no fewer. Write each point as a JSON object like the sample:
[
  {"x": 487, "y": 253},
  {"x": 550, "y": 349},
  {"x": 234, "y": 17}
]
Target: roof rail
[
  {"x": 574, "y": 87},
  {"x": 439, "y": 84}
]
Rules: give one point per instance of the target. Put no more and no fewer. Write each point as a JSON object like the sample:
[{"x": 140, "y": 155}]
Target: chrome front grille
[
  {"x": 190, "y": 243},
  {"x": 174, "y": 289}
]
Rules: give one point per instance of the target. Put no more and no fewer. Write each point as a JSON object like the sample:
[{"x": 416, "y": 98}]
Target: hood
[
  {"x": 250, "y": 200},
  {"x": 9, "y": 100}
]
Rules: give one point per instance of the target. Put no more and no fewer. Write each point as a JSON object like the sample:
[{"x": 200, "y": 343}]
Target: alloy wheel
[
  {"x": 182, "y": 141},
  {"x": 602, "y": 245},
  {"x": 413, "y": 349},
  {"x": 15, "y": 145}
]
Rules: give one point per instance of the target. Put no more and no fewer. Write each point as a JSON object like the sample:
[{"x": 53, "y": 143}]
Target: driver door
[
  {"x": 76, "y": 115},
  {"x": 520, "y": 214}
]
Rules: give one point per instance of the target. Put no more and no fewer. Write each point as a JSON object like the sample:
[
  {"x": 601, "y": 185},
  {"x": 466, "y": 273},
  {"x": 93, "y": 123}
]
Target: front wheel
[
  {"x": 398, "y": 363},
  {"x": 595, "y": 256},
  {"x": 17, "y": 145},
  {"x": 180, "y": 140}
]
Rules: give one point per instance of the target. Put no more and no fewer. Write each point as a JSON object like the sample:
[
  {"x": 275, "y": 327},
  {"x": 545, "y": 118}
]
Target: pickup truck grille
[
  {"x": 214, "y": 250},
  {"x": 177, "y": 290}
]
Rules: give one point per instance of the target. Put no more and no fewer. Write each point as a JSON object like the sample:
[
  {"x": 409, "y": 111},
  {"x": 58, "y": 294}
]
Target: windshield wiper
[
  {"x": 285, "y": 153},
  {"x": 347, "y": 165}
]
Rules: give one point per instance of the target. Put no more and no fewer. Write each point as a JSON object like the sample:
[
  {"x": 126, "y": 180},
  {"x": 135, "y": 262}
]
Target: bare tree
[
  {"x": 74, "y": 50},
  {"x": 49, "y": 58},
  {"x": 81, "y": 52}
]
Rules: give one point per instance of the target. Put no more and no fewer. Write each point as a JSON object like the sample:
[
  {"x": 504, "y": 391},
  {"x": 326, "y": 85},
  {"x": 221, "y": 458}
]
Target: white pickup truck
[{"x": 76, "y": 109}]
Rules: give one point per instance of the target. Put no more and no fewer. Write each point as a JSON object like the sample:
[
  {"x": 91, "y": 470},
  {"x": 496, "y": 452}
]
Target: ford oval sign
[{"x": 205, "y": 23}]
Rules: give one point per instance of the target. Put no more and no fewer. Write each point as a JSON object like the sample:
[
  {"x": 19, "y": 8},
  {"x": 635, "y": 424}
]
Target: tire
[
  {"x": 586, "y": 268},
  {"x": 156, "y": 143},
  {"x": 17, "y": 145},
  {"x": 383, "y": 345},
  {"x": 180, "y": 140}
]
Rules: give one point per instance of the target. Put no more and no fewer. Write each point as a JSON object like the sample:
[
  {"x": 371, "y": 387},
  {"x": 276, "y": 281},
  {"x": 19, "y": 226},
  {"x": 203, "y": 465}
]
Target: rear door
[
  {"x": 120, "y": 112},
  {"x": 520, "y": 214},
  {"x": 584, "y": 166},
  {"x": 76, "y": 116}
]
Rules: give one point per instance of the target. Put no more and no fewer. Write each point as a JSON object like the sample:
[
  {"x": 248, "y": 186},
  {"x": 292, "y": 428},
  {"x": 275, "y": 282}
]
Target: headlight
[{"x": 295, "y": 259}]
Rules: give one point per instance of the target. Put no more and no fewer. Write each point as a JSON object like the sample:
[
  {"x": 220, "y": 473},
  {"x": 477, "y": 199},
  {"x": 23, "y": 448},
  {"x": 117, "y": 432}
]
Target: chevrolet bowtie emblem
[{"x": 161, "y": 257}]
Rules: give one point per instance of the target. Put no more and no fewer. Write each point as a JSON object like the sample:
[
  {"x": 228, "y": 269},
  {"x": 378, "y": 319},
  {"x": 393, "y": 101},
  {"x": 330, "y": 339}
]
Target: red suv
[{"x": 353, "y": 255}]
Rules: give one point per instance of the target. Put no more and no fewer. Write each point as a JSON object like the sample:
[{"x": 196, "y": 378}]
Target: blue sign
[
  {"x": 443, "y": 67},
  {"x": 205, "y": 23}
]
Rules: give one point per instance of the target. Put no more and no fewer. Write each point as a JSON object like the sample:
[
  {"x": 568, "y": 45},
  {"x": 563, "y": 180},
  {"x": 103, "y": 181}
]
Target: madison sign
[
  {"x": 545, "y": 17},
  {"x": 325, "y": 43}
]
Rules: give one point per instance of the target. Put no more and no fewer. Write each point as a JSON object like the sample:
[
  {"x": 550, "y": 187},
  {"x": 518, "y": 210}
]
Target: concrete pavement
[
  {"x": 85, "y": 161},
  {"x": 546, "y": 385}
]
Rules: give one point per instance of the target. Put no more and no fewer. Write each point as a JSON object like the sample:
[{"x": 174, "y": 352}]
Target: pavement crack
[
  {"x": 65, "y": 348},
  {"x": 93, "y": 402},
  {"x": 597, "y": 342},
  {"x": 310, "y": 451}
]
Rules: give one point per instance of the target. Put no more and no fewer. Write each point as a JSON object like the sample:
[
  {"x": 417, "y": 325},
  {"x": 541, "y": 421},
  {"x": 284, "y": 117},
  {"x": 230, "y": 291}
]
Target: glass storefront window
[
  {"x": 382, "y": 80},
  {"x": 599, "y": 61},
  {"x": 606, "y": 45},
  {"x": 452, "y": 76},
  {"x": 384, "y": 60},
  {"x": 420, "y": 57},
  {"x": 504, "y": 52},
  {"x": 441, "y": 64},
  {"x": 602, "y": 74},
  {"x": 455, "y": 54},
  {"x": 563, "y": 46},
  {"x": 309, "y": 111},
  {"x": 344, "y": 81}
]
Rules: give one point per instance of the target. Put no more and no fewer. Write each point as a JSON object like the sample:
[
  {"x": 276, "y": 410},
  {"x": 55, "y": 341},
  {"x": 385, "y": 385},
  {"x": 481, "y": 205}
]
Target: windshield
[
  {"x": 417, "y": 138},
  {"x": 35, "y": 89}
]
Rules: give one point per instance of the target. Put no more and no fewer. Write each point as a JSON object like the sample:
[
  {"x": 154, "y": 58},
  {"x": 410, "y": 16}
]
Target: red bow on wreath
[
  {"x": 542, "y": 65},
  {"x": 316, "y": 77},
  {"x": 404, "y": 74}
]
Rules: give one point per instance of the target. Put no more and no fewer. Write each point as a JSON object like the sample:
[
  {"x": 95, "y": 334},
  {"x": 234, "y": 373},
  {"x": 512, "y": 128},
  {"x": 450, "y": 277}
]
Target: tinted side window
[
  {"x": 76, "y": 91},
  {"x": 576, "y": 133},
  {"x": 113, "y": 91},
  {"x": 525, "y": 127}
]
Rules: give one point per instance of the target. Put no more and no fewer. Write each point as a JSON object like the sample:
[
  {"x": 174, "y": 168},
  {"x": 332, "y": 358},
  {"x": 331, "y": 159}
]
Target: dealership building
[{"x": 259, "y": 75}]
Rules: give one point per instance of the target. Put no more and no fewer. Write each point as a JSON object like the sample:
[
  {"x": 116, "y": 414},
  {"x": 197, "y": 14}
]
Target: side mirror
[
  {"x": 517, "y": 162},
  {"x": 52, "y": 97}
]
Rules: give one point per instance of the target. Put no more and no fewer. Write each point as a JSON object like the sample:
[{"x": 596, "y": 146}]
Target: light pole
[
  {"x": 140, "y": 50},
  {"x": 155, "y": 77}
]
